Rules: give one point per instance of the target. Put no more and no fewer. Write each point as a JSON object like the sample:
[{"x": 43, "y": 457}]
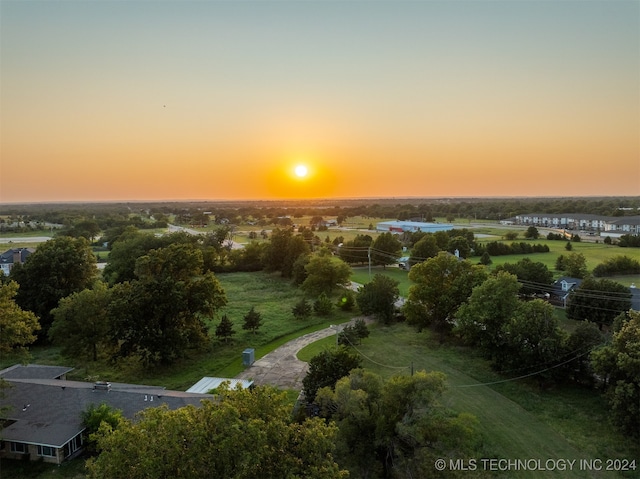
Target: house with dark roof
[
  {"x": 12, "y": 257},
  {"x": 561, "y": 289},
  {"x": 42, "y": 420}
]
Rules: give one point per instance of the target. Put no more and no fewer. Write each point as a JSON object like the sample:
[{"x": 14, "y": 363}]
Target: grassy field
[
  {"x": 361, "y": 275},
  {"x": 272, "y": 296},
  {"x": 517, "y": 420}
]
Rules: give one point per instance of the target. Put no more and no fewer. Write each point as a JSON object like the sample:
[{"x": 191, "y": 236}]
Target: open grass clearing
[
  {"x": 517, "y": 420},
  {"x": 272, "y": 296}
]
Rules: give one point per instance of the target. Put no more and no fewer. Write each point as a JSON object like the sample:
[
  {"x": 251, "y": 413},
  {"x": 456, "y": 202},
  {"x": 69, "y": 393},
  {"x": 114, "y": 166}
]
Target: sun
[{"x": 301, "y": 171}]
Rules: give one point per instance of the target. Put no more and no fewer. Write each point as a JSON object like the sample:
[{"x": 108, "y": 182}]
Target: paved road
[
  {"x": 281, "y": 367},
  {"x": 25, "y": 239}
]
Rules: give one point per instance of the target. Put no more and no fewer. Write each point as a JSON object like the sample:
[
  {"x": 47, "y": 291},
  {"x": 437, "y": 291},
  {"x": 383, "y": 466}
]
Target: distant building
[
  {"x": 412, "y": 227},
  {"x": 605, "y": 225}
]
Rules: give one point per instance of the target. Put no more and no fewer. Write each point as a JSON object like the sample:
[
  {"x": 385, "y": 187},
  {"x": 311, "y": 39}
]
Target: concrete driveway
[{"x": 281, "y": 367}]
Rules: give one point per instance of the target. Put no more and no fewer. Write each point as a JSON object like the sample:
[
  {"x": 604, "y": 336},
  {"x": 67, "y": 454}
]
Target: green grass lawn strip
[{"x": 515, "y": 420}]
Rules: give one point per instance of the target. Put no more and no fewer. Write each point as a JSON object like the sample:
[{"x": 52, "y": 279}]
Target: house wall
[{"x": 31, "y": 453}]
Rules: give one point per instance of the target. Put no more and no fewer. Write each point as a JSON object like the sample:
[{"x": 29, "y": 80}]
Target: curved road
[{"x": 281, "y": 367}]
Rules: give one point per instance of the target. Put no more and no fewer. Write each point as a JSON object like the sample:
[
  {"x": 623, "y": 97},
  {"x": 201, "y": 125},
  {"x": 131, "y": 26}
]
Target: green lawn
[
  {"x": 361, "y": 275},
  {"x": 272, "y": 296},
  {"x": 517, "y": 420}
]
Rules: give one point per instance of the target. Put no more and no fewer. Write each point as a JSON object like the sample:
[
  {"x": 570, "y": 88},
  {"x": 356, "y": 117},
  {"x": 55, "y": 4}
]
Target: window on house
[
  {"x": 73, "y": 445},
  {"x": 19, "y": 447},
  {"x": 46, "y": 451}
]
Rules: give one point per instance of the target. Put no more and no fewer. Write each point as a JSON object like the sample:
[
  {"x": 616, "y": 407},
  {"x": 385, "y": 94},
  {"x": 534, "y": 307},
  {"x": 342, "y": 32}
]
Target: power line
[{"x": 525, "y": 375}]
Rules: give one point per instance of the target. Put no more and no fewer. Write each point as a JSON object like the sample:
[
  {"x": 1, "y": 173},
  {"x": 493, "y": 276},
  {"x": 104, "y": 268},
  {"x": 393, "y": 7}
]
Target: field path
[{"x": 281, "y": 367}]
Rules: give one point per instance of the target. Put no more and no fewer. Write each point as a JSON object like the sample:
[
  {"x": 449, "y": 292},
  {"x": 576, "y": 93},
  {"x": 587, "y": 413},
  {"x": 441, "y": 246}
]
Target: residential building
[
  {"x": 12, "y": 257},
  {"x": 43, "y": 420}
]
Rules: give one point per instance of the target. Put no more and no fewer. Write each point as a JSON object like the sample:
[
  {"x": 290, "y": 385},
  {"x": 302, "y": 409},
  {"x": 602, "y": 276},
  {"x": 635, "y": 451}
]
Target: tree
[
  {"x": 598, "y": 300},
  {"x": 575, "y": 265},
  {"x": 485, "y": 259},
  {"x": 511, "y": 235},
  {"x": 385, "y": 249},
  {"x": 297, "y": 247},
  {"x": 353, "y": 334},
  {"x": 585, "y": 337},
  {"x": 481, "y": 320},
  {"x": 322, "y": 306},
  {"x": 361, "y": 329},
  {"x": 397, "y": 427},
  {"x": 618, "y": 265},
  {"x": 252, "y": 320},
  {"x": 248, "y": 258},
  {"x": 356, "y": 250},
  {"x": 224, "y": 329},
  {"x": 133, "y": 244},
  {"x": 243, "y": 434},
  {"x": 58, "y": 268},
  {"x": 347, "y": 300},
  {"x": 162, "y": 314},
  {"x": 17, "y": 327},
  {"x": 533, "y": 341},
  {"x": 81, "y": 322},
  {"x": 326, "y": 368},
  {"x": 325, "y": 273},
  {"x": 94, "y": 416},
  {"x": 441, "y": 285},
  {"x": 87, "y": 229},
  {"x": 283, "y": 250},
  {"x": 568, "y": 246},
  {"x": 302, "y": 309},
  {"x": 534, "y": 275},
  {"x": 619, "y": 363},
  {"x": 378, "y": 297},
  {"x": 532, "y": 233},
  {"x": 425, "y": 248},
  {"x": 461, "y": 245},
  {"x": 299, "y": 269}
]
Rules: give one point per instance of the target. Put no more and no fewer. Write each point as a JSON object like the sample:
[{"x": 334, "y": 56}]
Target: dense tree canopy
[
  {"x": 17, "y": 327},
  {"x": 598, "y": 300},
  {"x": 396, "y": 428},
  {"x": 163, "y": 313},
  {"x": 573, "y": 264},
  {"x": 326, "y": 368},
  {"x": 242, "y": 434},
  {"x": 620, "y": 264},
  {"x": 534, "y": 276},
  {"x": 385, "y": 249},
  {"x": 378, "y": 297},
  {"x": 534, "y": 341},
  {"x": 81, "y": 323},
  {"x": 58, "y": 268},
  {"x": 441, "y": 285},
  {"x": 133, "y": 244},
  {"x": 325, "y": 273},
  {"x": 481, "y": 320},
  {"x": 425, "y": 248},
  {"x": 356, "y": 250},
  {"x": 619, "y": 364}
]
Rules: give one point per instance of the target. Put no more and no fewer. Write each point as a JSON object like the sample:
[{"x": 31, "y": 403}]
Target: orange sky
[{"x": 220, "y": 100}]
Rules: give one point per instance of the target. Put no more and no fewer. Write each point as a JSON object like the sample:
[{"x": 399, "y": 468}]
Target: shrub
[
  {"x": 322, "y": 305},
  {"x": 302, "y": 309}
]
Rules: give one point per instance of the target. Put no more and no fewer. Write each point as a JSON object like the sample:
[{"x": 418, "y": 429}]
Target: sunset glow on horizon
[{"x": 107, "y": 101}]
